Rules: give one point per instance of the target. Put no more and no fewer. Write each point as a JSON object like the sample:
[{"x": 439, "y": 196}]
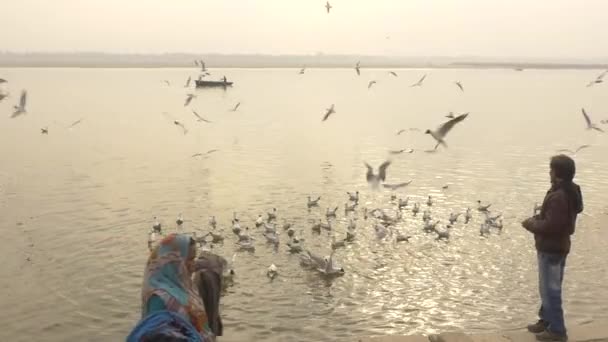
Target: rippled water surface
[{"x": 76, "y": 205}]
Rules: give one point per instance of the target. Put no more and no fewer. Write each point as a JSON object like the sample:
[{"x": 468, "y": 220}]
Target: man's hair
[{"x": 564, "y": 167}]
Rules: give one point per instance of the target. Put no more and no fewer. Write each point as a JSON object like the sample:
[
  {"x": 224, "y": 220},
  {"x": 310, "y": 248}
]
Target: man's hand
[{"x": 528, "y": 223}]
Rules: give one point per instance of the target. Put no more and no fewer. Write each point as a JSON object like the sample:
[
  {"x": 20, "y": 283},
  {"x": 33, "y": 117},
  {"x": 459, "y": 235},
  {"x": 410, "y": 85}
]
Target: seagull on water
[
  {"x": 350, "y": 208},
  {"x": 590, "y": 125},
  {"x": 459, "y": 86},
  {"x": 353, "y": 196},
  {"x": 468, "y": 216},
  {"x": 380, "y": 177},
  {"x": 189, "y": 98},
  {"x": 406, "y": 150},
  {"x": 212, "y": 222},
  {"x": 403, "y": 202},
  {"x": 419, "y": 83},
  {"x": 20, "y": 108},
  {"x": 429, "y": 201},
  {"x": 236, "y": 107},
  {"x": 188, "y": 82},
  {"x": 415, "y": 209},
  {"x": 582, "y": 147},
  {"x": 180, "y": 220},
  {"x": 259, "y": 221},
  {"x": 426, "y": 215},
  {"x": 313, "y": 203},
  {"x": 329, "y": 111},
  {"x": 328, "y": 7},
  {"x": 454, "y": 217},
  {"x": 358, "y": 68},
  {"x": 272, "y": 271},
  {"x": 444, "y": 129},
  {"x": 394, "y": 187},
  {"x": 200, "y": 118},
  {"x": 393, "y": 73},
  {"x": 272, "y": 215},
  {"x": 156, "y": 226},
  {"x": 483, "y": 208},
  {"x": 370, "y": 84},
  {"x": 330, "y": 212}
]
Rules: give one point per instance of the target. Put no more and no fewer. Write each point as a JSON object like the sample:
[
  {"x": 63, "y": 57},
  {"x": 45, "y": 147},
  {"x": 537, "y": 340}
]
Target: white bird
[
  {"x": 212, "y": 222},
  {"x": 200, "y": 118},
  {"x": 272, "y": 215},
  {"x": 370, "y": 84},
  {"x": 497, "y": 224},
  {"x": 403, "y": 203},
  {"x": 429, "y": 201},
  {"x": 468, "y": 216},
  {"x": 349, "y": 208},
  {"x": 236, "y": 107},
  {"x": 393, "y": 73},
  {"x": 442, "y": 131},
  {"x": 295, "y": 246},
  {"x": 236, "y": 227},
  {"x": 270, "y": 229},
  {"x": 576, "y": 150},
  {"x": 151, "y": 240},
  {"x": 189, "y": 98},
  {"x": 330, "y": 268},
  {"x": 331, "y": 213},
  {"x": 454, "y": 217},
  {"x": 216, "y": 238},
  {"x": 397, "y": 186},
  {"x": 272, "y": 271},
  {"x": 443, "y": 233},
  {"x": 183, "y": 127},
  {"x": 415, "y": 208},
  {"x": 459, "y": 86},
  {"x": 537, "y": 209},
  {"x": 590, "y": 125},
  {"x": 272, "y": 238},
  {"x": 429, "y": 226},
  {"x": 380, "y": 177},
  {"x": 188, "y": 82},
  {"x": 329, "y": 111},
  {"x": 259, "y": 221},
  {"x": 426, "y": 215},
  {"x": 313, "y": 203},
  {"x": 180, "y": 220},
  {"x": 246, "y": 245},
  {"x": 156, "y": 226},
  {"x": 20, "y": 108},
  {"x": 328, "y": 7},
  {"x": 419, "y": 83},
  {"x": 353, "y": 196},
  {"x": 406, "y": 150},
  {"x": 483, "y": 208},
  {"x": 358, "y": 68}
]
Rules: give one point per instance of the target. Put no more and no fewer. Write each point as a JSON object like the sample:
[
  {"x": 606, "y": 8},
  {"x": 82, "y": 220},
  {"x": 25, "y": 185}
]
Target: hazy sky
[{"x": 528, "y": 28}]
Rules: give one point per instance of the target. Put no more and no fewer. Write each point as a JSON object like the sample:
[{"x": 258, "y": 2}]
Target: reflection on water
[{"x": 79, "y": 202}]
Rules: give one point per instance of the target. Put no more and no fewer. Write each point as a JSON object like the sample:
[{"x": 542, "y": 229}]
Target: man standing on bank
[{"x": 552, "y": 229}]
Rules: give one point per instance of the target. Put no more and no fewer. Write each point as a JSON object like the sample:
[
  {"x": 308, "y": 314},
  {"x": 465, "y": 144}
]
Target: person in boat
[{"x": 171, "y": 308}]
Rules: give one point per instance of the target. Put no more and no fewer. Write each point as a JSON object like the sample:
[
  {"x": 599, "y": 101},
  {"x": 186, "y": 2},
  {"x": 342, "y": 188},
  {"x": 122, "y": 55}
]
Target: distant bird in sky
[
  {"x": 167, "y": 82},
  {"x": 328, "y": 6},
  {"x": 599, "y": 79},
  {"x": 44, "y": 130},
  {"x": 358, "y": 68},
  {"x": 302, "y": 71},
  {"x": 329, "y": 111},
  {"x": 188, "y": 82},
  {"x": 459, "y": 85},
  {"x": 202, "y": 154},
  {"x": 200, "y": 118},
  {"x": 582, "y": 147},
  {"x": 75, "y": 123},
  {"x": 189, "y": 98},
  {"x": 177, "y": 123},
  {"x": 396, "y": 186},
  {"x": 393, "y": 73},
  {"x": 370, "y": 84},
  {"x": 20, "y": 108},
  {"x": 408, "y": 150},
  {"x": 590, "y": 125},
  {"x": 236, "y": 107},
  {"x": 400, "y": 131},
  {"x": 381, "y": 176},
  {"x": 442, "y": 131},
  {"x": 419, "y": 83}
]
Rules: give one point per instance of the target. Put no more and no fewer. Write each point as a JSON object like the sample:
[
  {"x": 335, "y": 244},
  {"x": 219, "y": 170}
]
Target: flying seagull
[
  {"x": 590, "y": 125},
  {"x": 381, "y": 176},
  {"x": 302, "y": 70},
  {"x": 167, "y": 82},
  {"x": 599, "y": 79},
  {"x": 575, "y": 151},
  {"x": 75, "y": 123},
  {"x": 358, "y": 68},
  {"x": 2, "y": 80},
  {"x": 419, "y": 83},
  {"x": 200, "y": 118},
  {"x": 396, "y": 186},
  {"x": 20, "y": 108},
  {"x": 44, "y": 130},
  {"x": 370, "y": 84},
  {"x": 177, "y": 123},
  {"x": 188, "y": 82},
  {"x": 393, "y": 73},
  {"x": 189, "y": 98},
  {"x": 443, "y": 130},
  {"x": 328, "y": 6},
  {"x": 236, "y": 107},
  {"x": 459, "y": 85},
  {"x": 400, "y": 131},
  {"x": 203, "y": 154},
  {"x": 409, "y": 150},
  {"x": 329, "y": 111}
]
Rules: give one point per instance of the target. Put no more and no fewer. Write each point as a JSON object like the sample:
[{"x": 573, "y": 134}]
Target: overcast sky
[{"x": 524, "y": 28}]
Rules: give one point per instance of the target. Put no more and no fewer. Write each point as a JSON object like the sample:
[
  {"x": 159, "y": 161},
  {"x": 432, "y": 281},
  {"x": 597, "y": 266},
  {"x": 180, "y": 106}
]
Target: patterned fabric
[
  {"x": 165, "y": 326},
  {"x": 167, "y": 277}
]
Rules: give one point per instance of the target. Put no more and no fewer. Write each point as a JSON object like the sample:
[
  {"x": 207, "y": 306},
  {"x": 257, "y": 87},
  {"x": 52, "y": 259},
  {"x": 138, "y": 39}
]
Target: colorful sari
[{"x": 168, "y": 281}]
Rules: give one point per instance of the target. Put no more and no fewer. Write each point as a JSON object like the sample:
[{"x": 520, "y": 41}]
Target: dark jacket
[
  {"x": 557, "y": 219},
  {"x": 208, "y": 278}
]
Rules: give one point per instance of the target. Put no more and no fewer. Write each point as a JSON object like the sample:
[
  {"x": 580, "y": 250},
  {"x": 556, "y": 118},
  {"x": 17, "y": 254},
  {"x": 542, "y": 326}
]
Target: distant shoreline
[{"x": 177, "y": 60}]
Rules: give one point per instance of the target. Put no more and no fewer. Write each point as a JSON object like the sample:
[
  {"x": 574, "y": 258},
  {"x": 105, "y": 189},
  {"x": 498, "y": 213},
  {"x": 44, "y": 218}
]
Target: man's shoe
[
  {"x": 537, "y": 327},
  {"x": 548, "y": 336}
]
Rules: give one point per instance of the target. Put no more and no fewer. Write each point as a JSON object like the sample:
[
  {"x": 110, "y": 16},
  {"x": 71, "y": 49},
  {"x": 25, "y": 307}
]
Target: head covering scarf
[{"x": 167, "y": 277}]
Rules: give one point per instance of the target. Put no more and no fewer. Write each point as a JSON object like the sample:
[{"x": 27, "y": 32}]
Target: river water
[{"x": 76, "y": 204}]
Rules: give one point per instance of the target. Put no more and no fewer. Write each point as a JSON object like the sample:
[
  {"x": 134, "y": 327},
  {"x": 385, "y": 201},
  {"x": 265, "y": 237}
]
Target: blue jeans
[{"x": 551, "y": 275}]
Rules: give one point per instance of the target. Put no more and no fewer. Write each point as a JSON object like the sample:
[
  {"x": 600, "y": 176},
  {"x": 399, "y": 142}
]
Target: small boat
[{"x": 203, "y": 84}]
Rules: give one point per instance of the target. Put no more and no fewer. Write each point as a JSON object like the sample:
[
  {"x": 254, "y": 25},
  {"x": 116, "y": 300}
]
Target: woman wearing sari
[{"x": 171, "y": 309}]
